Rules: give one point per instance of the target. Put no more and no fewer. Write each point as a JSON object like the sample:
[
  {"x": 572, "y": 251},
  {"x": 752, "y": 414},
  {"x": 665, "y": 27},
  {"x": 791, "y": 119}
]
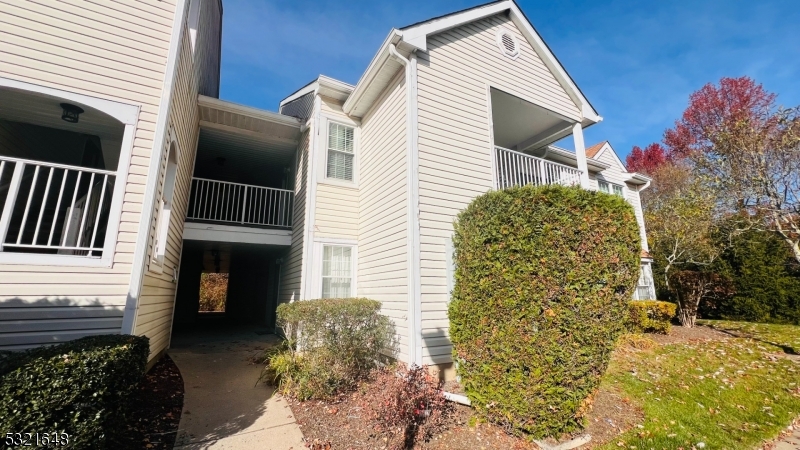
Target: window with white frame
[
  {"x": 609, "y": 188},
  {"x": 337, "y": 271},
  {"x": 341, "y": 152}
]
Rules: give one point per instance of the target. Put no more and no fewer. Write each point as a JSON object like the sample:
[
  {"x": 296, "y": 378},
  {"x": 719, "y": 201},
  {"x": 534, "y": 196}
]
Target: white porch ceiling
[
  {"x": 243, "y": 144},
  {"x": 519, "y": 124}
]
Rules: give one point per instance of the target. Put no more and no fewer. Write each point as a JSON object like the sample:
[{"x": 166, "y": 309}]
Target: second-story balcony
[
  {"x": 242, "y": 184},
  {"x": 239, "y": 204},
  {"x": 514, "y": 168}
]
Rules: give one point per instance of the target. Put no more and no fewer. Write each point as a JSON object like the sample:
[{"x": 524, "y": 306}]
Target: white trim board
[{"x": 193, "y": 231}]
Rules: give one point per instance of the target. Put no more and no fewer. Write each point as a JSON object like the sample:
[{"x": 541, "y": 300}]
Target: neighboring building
[{"x": 347, "y": 191}]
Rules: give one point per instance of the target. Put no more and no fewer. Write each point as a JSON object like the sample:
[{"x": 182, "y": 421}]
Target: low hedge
[
  {"x": 650, "y": 316},
  {"x": 542, "y": 283},
  {"x": 330, "y": 345},
  {"x": 80, "y": 388}
]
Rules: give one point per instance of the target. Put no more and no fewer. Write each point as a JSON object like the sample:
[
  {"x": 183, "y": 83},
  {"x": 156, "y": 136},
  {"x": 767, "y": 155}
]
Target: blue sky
[{"x": 637, "y": 61}]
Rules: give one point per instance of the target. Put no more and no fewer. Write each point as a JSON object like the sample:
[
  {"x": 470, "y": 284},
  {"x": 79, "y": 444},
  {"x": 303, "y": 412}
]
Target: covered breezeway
[{"x": 250, "y": 298}]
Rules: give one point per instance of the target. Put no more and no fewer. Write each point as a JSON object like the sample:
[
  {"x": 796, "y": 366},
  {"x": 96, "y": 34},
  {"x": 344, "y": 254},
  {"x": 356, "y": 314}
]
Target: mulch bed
[
  {"x": 338, "y": 424},
  {"x": 155, "y": 409}
]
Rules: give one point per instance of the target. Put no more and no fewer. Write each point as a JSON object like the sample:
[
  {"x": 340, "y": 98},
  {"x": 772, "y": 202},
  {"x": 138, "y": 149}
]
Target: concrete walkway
[{"x": 223, "y": 408}]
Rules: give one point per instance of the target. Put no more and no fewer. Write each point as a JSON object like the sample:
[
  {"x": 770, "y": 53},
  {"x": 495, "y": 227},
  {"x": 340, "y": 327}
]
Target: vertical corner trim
[{"x": 165, "y": 106}]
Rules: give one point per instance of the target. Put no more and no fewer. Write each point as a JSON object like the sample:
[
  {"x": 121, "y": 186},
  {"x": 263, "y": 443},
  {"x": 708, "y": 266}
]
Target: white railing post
[
  {"x": 244, "y": 203},
  {"x": 11, "y": 199}
]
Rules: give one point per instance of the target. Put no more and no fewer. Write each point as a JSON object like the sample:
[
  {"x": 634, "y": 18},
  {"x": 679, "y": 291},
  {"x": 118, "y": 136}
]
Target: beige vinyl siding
[
  {"x": 470, "y": 58},
  {"x": 208, "y": 47},
  {"x": 110, "y": 50},
  {"x": 336, "y": 213},
  {"x": 157, "y": 299},
  {"x": 455, "y": 144},
  {"x": 292, "y": 267},
  {"x": 383, "y": 216}
]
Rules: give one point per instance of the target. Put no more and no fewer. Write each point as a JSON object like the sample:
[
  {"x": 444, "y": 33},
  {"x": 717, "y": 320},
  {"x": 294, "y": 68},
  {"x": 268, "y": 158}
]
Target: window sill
[{"x": 339, "y": 183}]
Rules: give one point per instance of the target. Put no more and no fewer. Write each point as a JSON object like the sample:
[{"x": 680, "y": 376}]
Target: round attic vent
[{"x": 507, "y": 43}]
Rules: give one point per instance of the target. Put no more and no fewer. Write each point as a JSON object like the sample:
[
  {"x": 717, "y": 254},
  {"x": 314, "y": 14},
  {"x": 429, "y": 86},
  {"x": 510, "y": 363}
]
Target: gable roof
[
  {"x": 414, "y": 37},
  {"x": 597, "y": 150}
]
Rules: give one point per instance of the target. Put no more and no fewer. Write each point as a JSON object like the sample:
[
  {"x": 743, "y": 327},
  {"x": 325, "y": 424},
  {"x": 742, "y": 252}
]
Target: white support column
[{"x": 580, "y": 154}]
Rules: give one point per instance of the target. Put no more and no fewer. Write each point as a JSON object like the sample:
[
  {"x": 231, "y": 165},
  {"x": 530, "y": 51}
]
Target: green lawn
[{"x": 727, "y": 394}]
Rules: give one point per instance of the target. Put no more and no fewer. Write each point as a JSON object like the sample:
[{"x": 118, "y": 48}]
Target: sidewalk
[{"x": 223, "y": 407}]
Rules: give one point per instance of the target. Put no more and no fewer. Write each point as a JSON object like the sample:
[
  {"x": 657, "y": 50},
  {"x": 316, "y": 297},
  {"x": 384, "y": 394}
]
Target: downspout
[
  {"x": 148, "y": 206},
  {"x": 413, "y": 229}
]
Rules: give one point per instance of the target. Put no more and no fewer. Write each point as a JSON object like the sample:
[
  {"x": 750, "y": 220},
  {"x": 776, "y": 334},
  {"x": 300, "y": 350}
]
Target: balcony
[
  {"x": 239, "y": 204},
  {"x": 513, "y": 168}
]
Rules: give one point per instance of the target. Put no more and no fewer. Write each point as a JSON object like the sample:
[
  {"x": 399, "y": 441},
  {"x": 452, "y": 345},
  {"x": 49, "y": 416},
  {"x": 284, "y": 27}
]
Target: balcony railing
[
  {"x": 518, "y": 169},
  {"x": 240, "y": 204},
  {"x": 65, "y": 208}
]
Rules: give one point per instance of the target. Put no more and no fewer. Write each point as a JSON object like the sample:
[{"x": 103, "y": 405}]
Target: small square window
[{"x": 340, "y": 152}]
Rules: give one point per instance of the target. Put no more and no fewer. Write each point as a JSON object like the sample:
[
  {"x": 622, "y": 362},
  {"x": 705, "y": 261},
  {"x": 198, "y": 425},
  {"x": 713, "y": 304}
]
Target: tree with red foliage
[
  {"x": 646, "y": 161},
  {"x": 747, "y": 150}
]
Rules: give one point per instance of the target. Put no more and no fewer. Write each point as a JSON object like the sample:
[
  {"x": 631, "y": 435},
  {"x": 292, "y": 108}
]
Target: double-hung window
[
  {"x": 609, "y": 188},
  {"x": 337, "y": 271},
  {"x": 341, "y": 152}
]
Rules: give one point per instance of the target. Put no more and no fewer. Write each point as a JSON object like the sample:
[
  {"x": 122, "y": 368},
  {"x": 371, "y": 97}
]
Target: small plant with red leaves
[{"x": 407, "y": 405}]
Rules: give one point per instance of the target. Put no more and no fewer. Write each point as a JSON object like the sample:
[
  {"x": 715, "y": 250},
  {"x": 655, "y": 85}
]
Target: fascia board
[
  {"x": 331, "y": 87},
  {"x": 372, "y": 71},
  {"x": 310, "y": 87},
  {"x": 418, "y": 36}
]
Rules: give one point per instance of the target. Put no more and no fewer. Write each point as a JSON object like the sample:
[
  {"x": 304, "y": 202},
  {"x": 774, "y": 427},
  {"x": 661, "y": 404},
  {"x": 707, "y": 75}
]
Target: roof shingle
[{"x": 592, "y": 151}]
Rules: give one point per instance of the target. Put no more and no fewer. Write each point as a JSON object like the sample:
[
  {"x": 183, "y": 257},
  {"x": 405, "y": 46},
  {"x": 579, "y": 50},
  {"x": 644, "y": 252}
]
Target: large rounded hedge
[{"x": 542, "y": 283}]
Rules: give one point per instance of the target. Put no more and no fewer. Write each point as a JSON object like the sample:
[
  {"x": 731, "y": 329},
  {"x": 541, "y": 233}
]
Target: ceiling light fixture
[{"x": 70, "y": 112}]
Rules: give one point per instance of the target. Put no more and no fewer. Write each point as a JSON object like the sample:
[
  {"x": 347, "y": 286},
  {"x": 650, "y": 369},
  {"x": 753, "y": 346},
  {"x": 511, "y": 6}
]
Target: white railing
[
  {"x": 245, "y": 204},
  {"x": 518, "y": 169},
  {"x": 53, "y": 208}
]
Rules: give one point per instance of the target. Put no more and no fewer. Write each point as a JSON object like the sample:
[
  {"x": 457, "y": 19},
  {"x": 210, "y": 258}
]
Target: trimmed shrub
[
  {"x": 80, "y": 388},
  {"x": 330, "y": 345},
  {"x": 542, "y": 284},
  {"x": 650, "y": 316}
]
